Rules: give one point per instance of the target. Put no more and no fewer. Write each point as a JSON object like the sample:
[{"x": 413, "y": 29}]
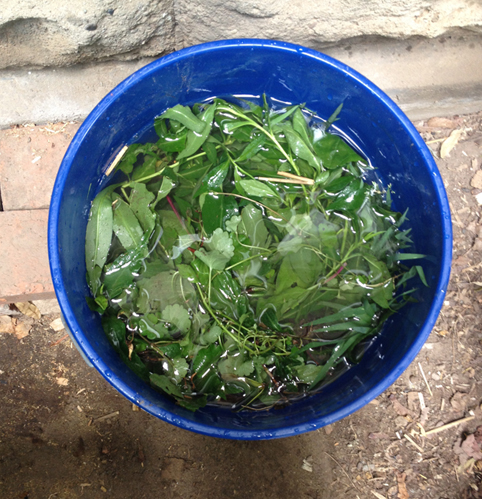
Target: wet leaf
[
  {"x": 98, "y": 235},
  {"x": 184, "y": 115},
  {"x": 257, "y": 189},
  {"x": 334, "y": 151},
  {"x": 125, "y": 224}
]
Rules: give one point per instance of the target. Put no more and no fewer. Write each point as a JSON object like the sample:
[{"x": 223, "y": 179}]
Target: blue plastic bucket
[{"x": 290, "y": 74}]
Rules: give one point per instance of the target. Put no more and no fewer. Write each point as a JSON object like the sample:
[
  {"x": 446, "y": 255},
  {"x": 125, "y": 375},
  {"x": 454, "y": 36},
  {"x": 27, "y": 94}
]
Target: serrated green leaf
[{"x": 177, "y": 315}]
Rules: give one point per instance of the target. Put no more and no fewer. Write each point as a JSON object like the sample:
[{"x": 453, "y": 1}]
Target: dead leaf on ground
[
  {"x": 399, "y": 408},
  {"x": 29, "y": 309},
  {"x": 450, "y": 142},
  {"x": 6, "y": 324},
  {"x": 437, "y": 122},
  {"x": 402, "y": 487},
  {"x": 413, "y": 401},
  {"x": 20, "y": 328},
  {"x": 459, "y": 401},
  {"x": 62, "y": 381},
  {"x": 470, "y": 447}
]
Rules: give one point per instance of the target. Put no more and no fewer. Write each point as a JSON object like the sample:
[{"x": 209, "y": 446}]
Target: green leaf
[
  {"x": 338, "y": 351},
  {"x": 98, "y": 235},
  {"x": 351, "y": 198},
  {"x": 204, "y": 370},
  {"x": 236, "y": 366},
  {"x": 140, "y": 200},
  {"x": 213, "y": 180},
  {"x": 184, "y": 115},
  {"x": 178, "y": 369},
  {"x": 211, "y": 336},
  {"x": 333, "y": 117},
  {"x": 382, "y": 295},
  {"x": 148, "y": 168},
  {"x": 222, "y": 242},
  {"x": 129, "y": 158},
  {"x": 307, "y": 373},
  {"x": 334, "y": 151},
  {"x": 344, "y": 314},
  {"x": 232, "y": 223},
  {"x": 216, "y": 210},
  {"x": 166, "y": 187},
  {"x": 300, "y": 148},
  {"x": 126, "y": 226},
  {"x": 164, "y": 289},
  {"x": 196, "y": 139},
  {"x": 165, "y": 384},
  {"x": 279, "y": 117},
  {"x": 115, "y": 330},
  {"x": 301, "y": 128},
  {"x": 298, "y": 269},
  {"x": 258, "y": 189},
  {"x": 421, "y": 274},
  {"x": 215, "y": 260},
  {"x": 177, "y": 315},
  {"x": 252, "y": 148},
  {"x": 269, "y": 318},
  {"x": 254, "y": 227},
  {"x": 151, "y": 329},
  {"x": 120, "y": 273},
  {"x": 172, "y": 142},
  {"x": 211, "y": 152}
]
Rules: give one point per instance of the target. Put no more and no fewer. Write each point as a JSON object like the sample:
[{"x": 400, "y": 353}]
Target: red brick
[
  {"x": 24, "y": 271},
  {"x": 30, "y": 157}
]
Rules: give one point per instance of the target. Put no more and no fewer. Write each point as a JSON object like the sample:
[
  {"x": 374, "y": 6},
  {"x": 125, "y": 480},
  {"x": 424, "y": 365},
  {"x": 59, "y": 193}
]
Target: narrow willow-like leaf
[
  {"x": 184, "y": 115},
  {"x": 99, "y": 233}
]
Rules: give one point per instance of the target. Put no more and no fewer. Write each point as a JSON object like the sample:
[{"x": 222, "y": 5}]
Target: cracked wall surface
[{"x": 58, "y": 33}]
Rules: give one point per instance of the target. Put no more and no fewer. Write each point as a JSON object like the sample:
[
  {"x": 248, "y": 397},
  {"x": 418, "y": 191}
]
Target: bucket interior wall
[{"x": 289, "y": 74}]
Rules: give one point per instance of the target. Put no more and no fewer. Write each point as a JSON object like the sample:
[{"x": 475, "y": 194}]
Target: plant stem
[{"x": 220, "y": 324}]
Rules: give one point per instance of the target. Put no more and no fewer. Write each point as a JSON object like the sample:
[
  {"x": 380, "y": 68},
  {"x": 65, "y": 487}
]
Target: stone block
[
  {"x": 319, "y": 24},
  {"x": 54, "y": 32},
  {"x": 24, "y": 272},
  {"x": 29, "y": 160}
]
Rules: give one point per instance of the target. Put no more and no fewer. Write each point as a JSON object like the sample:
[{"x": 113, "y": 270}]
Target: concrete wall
[
  {"x": 62, "y": 32},
  {"x": 57, "y": 32},
  {"x": 320, "y": 23}
]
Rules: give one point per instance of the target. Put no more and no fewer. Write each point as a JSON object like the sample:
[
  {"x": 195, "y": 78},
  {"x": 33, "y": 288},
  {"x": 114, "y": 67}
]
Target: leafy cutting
[{"x": 247, "y": 256}]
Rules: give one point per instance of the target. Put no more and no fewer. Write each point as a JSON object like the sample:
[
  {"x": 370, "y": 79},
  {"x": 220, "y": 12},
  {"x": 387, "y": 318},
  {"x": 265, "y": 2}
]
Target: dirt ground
[{"x": 66, "y": 433}]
